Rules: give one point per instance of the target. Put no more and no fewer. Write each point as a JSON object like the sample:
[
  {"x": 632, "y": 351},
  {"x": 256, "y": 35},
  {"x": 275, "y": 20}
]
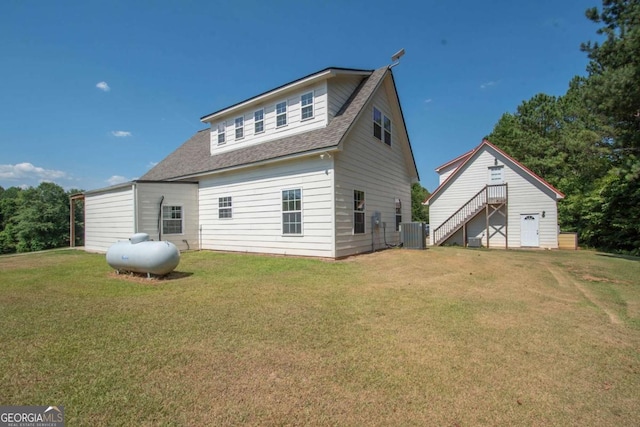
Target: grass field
[{"x": 443, "y": 337}]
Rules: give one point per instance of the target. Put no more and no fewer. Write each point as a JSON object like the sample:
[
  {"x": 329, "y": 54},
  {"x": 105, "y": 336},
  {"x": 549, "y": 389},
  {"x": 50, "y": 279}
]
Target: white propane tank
[{"x": 141, "y": 255}]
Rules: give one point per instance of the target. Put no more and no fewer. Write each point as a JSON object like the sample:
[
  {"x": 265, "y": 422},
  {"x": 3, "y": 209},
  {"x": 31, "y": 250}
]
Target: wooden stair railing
[{"x": 489, "y": 194}]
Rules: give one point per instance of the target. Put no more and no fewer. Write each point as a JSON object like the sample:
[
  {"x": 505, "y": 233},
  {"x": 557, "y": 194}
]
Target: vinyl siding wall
[
  {"x": 294, "y": 125},
  {"x": 340, "y": 89},
  {"x": 175, "y": 194},
  {"x": 526, "y": 196},
  {"x": 369, "y": 165},
  {"x": 109, "y": 217},
  {"x": 256, "y": 223}
]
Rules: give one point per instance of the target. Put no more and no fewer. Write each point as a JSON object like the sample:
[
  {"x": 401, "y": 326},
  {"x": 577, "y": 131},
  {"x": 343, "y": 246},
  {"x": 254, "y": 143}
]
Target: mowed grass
[{"x": 443, "y": 337}]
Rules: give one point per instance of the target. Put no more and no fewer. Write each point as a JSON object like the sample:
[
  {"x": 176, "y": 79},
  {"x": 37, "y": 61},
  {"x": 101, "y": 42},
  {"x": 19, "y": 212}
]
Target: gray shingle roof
[{"x": 194, "y": 157}]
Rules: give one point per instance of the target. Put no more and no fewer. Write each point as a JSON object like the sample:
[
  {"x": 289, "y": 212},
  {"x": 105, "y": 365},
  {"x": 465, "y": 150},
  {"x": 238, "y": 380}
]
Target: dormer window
[
  {"x": 306, "y": 103},
  {"x": 377, "y": 123},
  {"x": 258, "y": 121},
  {"x": 221, "y": 139},
  {"x": 240, "y": 128},
  {"x": 281, "y": 114}
]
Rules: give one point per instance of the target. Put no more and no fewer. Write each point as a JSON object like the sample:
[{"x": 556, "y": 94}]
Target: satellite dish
[{"x": 396, "y": 56}]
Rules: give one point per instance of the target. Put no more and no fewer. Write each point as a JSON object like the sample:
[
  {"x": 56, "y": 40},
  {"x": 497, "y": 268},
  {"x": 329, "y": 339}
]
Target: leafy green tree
[
  {"x": 8, "y": 210},
  {"x": 612, "y": 91},
  {"x": 419, "y": 212},
  {"x": 43, "y": 219}
]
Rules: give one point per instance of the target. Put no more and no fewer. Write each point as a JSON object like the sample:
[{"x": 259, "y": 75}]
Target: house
[
  {"x": 486, "y": 197},
  {"x": 321, "y": 166}
]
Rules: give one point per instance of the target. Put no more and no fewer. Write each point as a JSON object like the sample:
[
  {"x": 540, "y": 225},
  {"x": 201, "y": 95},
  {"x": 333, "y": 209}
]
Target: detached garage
[{"x": 164, "y": 210}]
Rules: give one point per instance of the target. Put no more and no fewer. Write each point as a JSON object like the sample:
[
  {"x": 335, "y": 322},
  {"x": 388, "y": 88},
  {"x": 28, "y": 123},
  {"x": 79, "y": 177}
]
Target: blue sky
[{"x": 94, "y": 93}]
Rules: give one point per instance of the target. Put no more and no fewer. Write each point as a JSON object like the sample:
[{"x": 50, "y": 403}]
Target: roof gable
[
  {"x": 472, "y": 155},
  {"x": 194, "y": 158},
  {"x": 320, "y": 75}
]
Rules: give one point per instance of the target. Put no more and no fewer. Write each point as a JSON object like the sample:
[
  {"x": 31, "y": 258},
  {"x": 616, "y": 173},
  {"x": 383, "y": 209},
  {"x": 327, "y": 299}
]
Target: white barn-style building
[
  {"x": 321, "y": 166},
  {"x": 488, "y": 198}
]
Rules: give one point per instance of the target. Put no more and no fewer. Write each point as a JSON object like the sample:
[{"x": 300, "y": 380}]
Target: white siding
[
  {"x": 256, "y": 223},
  {"x": 369, "y": 165},
  {"x": 109, "y": 217},
  {"x": 340, "y": 89},
  {"x": 446, "y": 172},
  {"x": 294, "y": 122},
  {"x": 148, "y": 196},
  {"x": 526, "y": 196}
]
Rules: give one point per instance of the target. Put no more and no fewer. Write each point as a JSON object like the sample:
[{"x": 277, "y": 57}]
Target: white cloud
[
  {"x": 489, "y": 84},
  {"x": 427, "y": 101},
  {"x": 29, "y": 171},
  {"x": 103, "y": 86},
  {"x": 117, "y": 179},
  {"x": 120, "y": 133},
  {"x": 152, "y": 164}
]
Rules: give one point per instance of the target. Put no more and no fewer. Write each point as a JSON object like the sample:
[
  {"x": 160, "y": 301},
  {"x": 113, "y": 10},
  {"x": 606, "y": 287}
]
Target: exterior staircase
[{"x": 489, "y": 195}]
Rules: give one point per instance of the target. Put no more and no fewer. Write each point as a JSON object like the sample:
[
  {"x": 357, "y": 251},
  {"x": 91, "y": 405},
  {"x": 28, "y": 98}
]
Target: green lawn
[{"x": 441, "y": 337}]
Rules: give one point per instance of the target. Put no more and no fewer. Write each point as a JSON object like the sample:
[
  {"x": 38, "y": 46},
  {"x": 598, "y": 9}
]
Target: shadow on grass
[
  {"x": 142, "y": 277},
  {"x": 621, "y": 256}
]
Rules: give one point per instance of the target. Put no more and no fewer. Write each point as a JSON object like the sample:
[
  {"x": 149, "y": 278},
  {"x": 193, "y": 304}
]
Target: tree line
[
  {"x": 36, "y": 218},
  {"x": 587, "y": 142}
]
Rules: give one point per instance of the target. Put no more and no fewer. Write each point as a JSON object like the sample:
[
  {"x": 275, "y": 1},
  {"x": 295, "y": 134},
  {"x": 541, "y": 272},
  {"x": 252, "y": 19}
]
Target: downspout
[{"x": 160, "y": 219}]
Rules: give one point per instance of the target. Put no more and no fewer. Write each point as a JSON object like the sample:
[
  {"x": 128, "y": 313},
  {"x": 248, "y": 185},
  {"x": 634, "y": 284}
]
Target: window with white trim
[
  {"x": 281, "y": 114},
  {"x": 398, "y": 214},
  {"x": 358, "y": 212},
  {"x": 258, "y": 121},
  {"x": 306, "y": 103},
  {"x": 225, "y": 207},
  {"x": 387, "y": 131},
  {"x": 172, "y": 219},
  {"x": 221, "y": 139},
  {"x": 377, "y": 123},
  {"x": 240, "y": 128},
  {"x": 292, "y": 211}
]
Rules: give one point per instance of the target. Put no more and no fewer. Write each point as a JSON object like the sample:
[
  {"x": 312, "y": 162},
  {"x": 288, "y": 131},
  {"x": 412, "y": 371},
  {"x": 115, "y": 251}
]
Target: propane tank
[{"x": 141, "y": 255}]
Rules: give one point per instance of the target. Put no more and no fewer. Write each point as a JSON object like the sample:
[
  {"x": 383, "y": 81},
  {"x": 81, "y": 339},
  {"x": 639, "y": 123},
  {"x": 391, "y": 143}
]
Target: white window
[
  {"x": 306, "y": 102},
  {"x": 398, "y": 214},
  {"x": 281, "y": 114},
  {"x": 387, "y": 131},
  {"x": 172, "y": 220},
  {"x": 258, "y": 121},
  {"x": 377, "y": 123},
  {"x": 221, "y": 139},
  {"x": 224, "y": 207},
  {"x": 292, "y": 211},
  {"x": 358, "y": 212},
  {"x": 240, "y": 128}
]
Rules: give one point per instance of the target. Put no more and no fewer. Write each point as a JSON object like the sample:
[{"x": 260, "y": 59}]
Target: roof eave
[{"x": 325, "y": 74}]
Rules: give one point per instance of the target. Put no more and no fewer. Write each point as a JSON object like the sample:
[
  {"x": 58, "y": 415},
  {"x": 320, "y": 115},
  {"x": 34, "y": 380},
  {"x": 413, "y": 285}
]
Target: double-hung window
[
  {"x": 398, "y": 214},
  {"x": 240, "y": 128},
  {"x": 306, "y": 103},
  {"x": 172, "y": 220},
  {"x": 281, "y": 114},
  {"x": 377, "y": 123},
  {"x": 224, "y": 207},
  {"x": 387, "y": 131},
  {"x": 258, "y": 121},
  {"x": 292, "y": 211},
  {"x": 221, "y": 138},
  {"x": 358, "y": 212}
]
